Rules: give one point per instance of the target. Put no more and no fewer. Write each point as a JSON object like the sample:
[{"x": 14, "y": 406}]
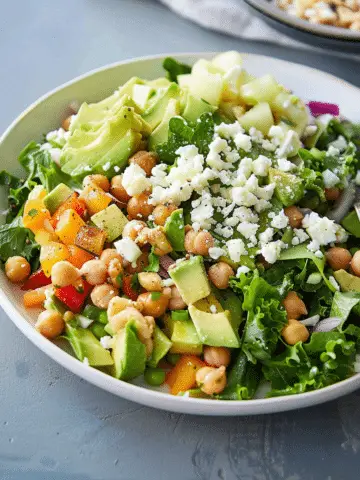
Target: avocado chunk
[
  {"x": 191, "y": 280},
  {"x": 87, "y": 346},
  {"x": 352, "y": 224},
  {"x": 56, "y": 197},
  {"x": 214, "y": 329},
  {"x": 175, "y": 230},
  {"x": 128, "y": 353},
  {"x": 289, "y": 189},
  {"x": 161, "y": 347},
  {"x": 111, "y": 220},
  {"x": 347, "y": 282},
  {"x": 231, "y": 302},
  {"x": 195, "y": 107},
  {"x": 183, "y": 334},
  {"x": 160, "y": 134},
  {"x": 154, "y": 115}
]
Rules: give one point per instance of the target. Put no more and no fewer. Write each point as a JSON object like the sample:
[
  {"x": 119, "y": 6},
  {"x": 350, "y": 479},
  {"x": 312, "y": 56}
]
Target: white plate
[{"x": 47, "y": 113}]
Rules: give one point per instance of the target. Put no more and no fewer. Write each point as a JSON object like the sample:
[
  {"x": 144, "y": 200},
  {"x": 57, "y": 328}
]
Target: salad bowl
[{"x": 47, "y": 114}]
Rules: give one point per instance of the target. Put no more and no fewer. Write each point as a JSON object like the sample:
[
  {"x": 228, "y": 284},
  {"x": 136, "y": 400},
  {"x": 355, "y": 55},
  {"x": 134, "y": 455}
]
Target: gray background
[{"x": 53, "y": 425}]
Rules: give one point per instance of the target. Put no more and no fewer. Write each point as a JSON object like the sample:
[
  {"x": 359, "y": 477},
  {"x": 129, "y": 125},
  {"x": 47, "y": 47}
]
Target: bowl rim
[
  {"x": 152, "y": 398},
  {"x": 269, "y": 9}
]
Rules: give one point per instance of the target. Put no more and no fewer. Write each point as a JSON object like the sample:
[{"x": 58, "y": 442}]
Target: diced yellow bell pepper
[
  {"x": 95, "y": 198},
  {"x": 44, "y": 237},
  {"x": 52, "y": 253},
  {"x": 35, "y": 215},
  {"x": 68, "y": 226}
]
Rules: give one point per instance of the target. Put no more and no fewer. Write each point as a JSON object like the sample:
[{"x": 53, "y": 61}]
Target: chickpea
[
  {"x": 138, "y": 207},
  {"x": 198, "y": 242},
  {"x": 294, "y": 332},
  {"x": 115, "y": 271},
  {"x": 17, "y": 269},
  {"x": 99, "y": 180},
  {"x": 162, "y": 212},
  {"x": 120, "y": 319},
  {"x": 117, "y": 189},
  {"x": 150, "y": 281},
  {"x": 109, "y": 254},
  {"x": 211, "y": 380},
  {"x": 338, "y": 258},
  {"x": 102, "y": 294},
  {"x": 50, "y": 324},
  {"x": 189, "y": 240},
  {"x": 118, "y": 304},
  {"x": 355, "y": 263},
  {"x": 217, "y": 356},
  {"x": 94, "y": 272},
  {"x": 145, "y": 160},
  {"x": 176, "y": 302},
  {"x": 219, "y": 274},
  {"x": 155, "y": 307},
  {"x": 294, "y": 306},
  {"x": 133, "y": 228},
  {"x": 63, "y": 273},
  {"x": 157, "y": 238},
  {"x": 332, "y": 194},
  {"x": 141, "y": 263},
  {"x": 66, "y": 123},
  {"x": 295, "y": 216}
]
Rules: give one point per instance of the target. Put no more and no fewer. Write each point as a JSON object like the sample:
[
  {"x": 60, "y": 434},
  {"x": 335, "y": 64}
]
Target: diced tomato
[
  {"x": 182, "y": 376},
  {"x": 72, "y": 298},
  {"x": 36, "y": 280},
  {"x": 128, "y": 290},
  {"x": 72, "y": 203}
]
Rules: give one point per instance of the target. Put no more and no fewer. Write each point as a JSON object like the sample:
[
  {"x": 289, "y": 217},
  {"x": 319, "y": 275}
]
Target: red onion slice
[
  {"x": 323, "y": 108},
  {"x": 327, "y": 324},
  {"x": 165, "y": 263}
]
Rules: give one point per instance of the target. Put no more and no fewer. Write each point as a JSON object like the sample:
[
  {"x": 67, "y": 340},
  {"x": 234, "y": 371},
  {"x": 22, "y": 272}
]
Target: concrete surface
[{"x": 54, "y": 426}]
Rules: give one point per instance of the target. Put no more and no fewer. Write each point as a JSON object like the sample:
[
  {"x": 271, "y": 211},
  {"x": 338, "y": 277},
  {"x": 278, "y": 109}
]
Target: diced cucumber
[
  {"x": 263, "y": 89},
  {"x": 227, "y": 60},
  {"x": 285, "y": 107},
  {"x": 259, "y": 117}
]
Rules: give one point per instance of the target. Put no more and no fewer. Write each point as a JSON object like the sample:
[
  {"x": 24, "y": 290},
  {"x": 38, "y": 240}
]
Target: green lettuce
[
  {"x": 15, "y": 239},
  {"x": 243, "y": 380},
  {"x": 174, "y": 68}
]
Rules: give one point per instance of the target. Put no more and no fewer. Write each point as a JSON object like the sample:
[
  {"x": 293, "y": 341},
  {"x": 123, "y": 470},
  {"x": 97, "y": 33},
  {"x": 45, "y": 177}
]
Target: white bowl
[{"x": 47, "y": 113}]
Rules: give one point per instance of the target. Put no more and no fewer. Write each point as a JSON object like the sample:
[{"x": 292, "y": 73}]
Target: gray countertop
[{"x": 55, "y": 426}]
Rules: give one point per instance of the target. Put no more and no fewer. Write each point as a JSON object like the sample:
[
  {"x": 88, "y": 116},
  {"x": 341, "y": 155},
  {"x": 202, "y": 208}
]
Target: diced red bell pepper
[
  {"x": 36, "y": 280},
  {"x": 127, "y": 288},
  {"x": 73, "y": 298}
]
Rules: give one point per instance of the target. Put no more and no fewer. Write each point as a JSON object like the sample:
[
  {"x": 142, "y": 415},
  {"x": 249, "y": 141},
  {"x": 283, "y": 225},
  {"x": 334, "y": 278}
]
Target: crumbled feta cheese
[
  {"x": 277, "y": 134},
  {"x": 261, "y": 166},
  {"x": 106, "y": 342},
  {"x": 128, "y": 249},
  {"x": 168, "y": 282},
  {"x": 245, "y": 214},
  {"x": 340, "y": 143},
  {"x": 300, "y": 234},
  {"x": 216, "y": 252},
  {"x": 334, "y": 283},
  {"x": 330, "y": 179},
  {"x": 134, "y": 180},
  {"x": 256, "y": 135},
  {"x": 322, "y": 230},
  {"x": 242, "y": 269},
  {"x": 243, "y": 141},
  {"x": 228, "y": 131},
  {"x": 310, "y": 130},
  {"x": 247, "y": 229},
  {"x": 285, "y": 165},
  {"x": 116, "y": 169},
  {"x": 236, "y": 248},
  {"x": 279, "y": 220},
  {"x": 107, "y": 166},
  {"x": 86, "y": 362},
  {"x": 265, "y": 193},
  {"x": 266, "y": 236},
  {"x": 225, "y": 232},
  {"x": 271, "y": 251},
  {"x": 58, "y": 137},
  {"x": 213, "y": 309},
  {"x": 319, "y": 254},
  {"x": 332, "y": 151},
  {"x": 242, "y": 196},
  {"x": 290, "y": 145}
]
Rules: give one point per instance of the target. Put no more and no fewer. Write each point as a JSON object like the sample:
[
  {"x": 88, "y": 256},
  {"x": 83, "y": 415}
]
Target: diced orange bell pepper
[
  {"x": 95, "y": 198},
  {"x": 35, "y": 215},
  {"x": 68, "y": 226},
  {"x": 35, "y": 298},
  {"x": 52, "y": 253},
  {"x": 74, "y": 203},
  {"x": 78, "y": 256},
  {"x": 91, "y": 239},
  {"x": 182, "y": 376}
]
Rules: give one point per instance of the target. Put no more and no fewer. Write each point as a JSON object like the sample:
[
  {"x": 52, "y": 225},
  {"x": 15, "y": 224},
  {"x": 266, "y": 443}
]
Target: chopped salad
[{"x": 200, "y": 230}]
